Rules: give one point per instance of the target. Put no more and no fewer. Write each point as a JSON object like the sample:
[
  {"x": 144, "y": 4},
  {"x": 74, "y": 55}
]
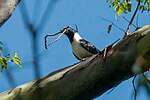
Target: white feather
[
  {"x": 77, "y": 49},
  {"x": 77, "y": 37}
]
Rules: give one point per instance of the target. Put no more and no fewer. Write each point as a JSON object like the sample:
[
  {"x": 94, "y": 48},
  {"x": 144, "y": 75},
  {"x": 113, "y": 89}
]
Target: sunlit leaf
[
  {"x": 122, "y": 7},
  {"x": 16, "y": 60},
  {"x": 129, "y": 5},
  {"x": 118, "y": 10},
  {"x": 3, "y": 62},
  {"x": 125, "y": 6},
  {"x": 148, "y": 5},
  {"x": 142, "y": 8}
]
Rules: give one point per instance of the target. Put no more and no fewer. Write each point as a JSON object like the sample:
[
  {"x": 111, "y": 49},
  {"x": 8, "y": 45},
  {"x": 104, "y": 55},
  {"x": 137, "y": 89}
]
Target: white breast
[{"x": 77, "y": 49}]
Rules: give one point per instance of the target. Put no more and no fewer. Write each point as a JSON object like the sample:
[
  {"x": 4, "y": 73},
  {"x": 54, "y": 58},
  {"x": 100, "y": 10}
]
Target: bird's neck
[
  {"x": 73, "y": 37},
  {"x": 77, "y": 37}
]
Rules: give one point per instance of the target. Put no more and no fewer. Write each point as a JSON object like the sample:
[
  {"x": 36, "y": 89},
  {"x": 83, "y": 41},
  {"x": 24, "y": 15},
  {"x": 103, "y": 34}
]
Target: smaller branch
[
  {"x": 45, "y": 39},
  {"x": 46, "y": 15},
  {"x": 128, "y": 28},
  {"x": 135, "y": 92},
  {"x": 33, "y": 33},
  {"x": 10, "y": 78},
  {"x": 137, "y": 19},
  {"x": 112, "y": 23},
  {"x": 25, "y": 17},
  {"x": 129, "y": 22},
  {"x": 37, "y": 8}
]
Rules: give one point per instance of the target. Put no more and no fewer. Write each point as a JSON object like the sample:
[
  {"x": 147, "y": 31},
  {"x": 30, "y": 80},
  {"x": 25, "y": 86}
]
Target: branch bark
[
  {"x": 6, "y": 9},
  {"x": 93, "y": 77}
]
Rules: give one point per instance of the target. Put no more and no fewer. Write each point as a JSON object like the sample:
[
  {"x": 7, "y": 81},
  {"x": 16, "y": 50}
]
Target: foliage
[
  {"x": 125, "y": 6},
  {"x": 4, "y": 60},
  {"x": 16, "y": 60}
]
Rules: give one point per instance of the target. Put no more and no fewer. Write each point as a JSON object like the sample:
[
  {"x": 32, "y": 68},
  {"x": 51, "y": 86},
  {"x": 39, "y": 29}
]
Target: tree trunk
[
  {"x": 90, "y": 78},
  {"x": 6, "y": 9}
]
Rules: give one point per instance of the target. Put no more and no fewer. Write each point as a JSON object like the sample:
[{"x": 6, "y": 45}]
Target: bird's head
[
  {"x": 70, "y": 34},
  {"x": 69, "y": 31}
]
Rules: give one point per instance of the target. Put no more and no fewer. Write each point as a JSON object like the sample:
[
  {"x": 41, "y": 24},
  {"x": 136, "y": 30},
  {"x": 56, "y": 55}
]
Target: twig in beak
[
  {"x": 45, "y": 38},
  {"x": 62, "y": 32}
]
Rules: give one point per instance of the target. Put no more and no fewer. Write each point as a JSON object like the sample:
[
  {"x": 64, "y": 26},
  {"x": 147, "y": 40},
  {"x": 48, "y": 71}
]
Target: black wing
[{"x": 89, "y": 47}]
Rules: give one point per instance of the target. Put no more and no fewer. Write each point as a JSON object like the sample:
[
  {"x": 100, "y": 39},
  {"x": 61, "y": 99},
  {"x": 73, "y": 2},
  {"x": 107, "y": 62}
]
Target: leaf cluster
[
  {"x": 4, "y": 60},
  {"x": 125, "y": 6},
  {"x": 145, "y": 5}
]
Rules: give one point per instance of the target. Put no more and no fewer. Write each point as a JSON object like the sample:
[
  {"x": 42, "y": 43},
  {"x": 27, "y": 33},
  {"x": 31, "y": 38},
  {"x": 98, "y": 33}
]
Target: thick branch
[
  {"x": 92, "y": 77},
  {"x": 6, "y": 9}
]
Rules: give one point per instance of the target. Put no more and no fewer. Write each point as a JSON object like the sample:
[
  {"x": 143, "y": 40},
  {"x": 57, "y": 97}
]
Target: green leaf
[
  {"x": 122, "y": 7},
  {"x": 148, "y": 5},
  {"x": 143, "y": 8},
  {"x": 140, "y": 0},
  {"x": 118, "y": 10},
  {"x": 128, "y": 6},
  {"x": 16, "y": 60},
  {"x": 1, "y": 46},
  {"x": 3, "y": 62}
]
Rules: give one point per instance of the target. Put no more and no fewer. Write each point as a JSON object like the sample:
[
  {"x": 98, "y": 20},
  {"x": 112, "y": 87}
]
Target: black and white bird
[{"x": 81, "y": 48}]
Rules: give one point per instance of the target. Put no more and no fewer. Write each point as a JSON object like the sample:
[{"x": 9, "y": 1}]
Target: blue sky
[{"x": 85, "y": 14}]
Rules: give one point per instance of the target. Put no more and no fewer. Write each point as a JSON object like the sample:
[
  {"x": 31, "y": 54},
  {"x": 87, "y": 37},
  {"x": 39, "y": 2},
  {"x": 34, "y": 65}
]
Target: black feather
[{"x": 89, "y": 47}]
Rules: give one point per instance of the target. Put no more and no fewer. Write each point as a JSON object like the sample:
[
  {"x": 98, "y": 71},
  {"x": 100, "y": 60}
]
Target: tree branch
[
  {"x": 134, "y": 14},
  {"x": 6, "y": 9},
  {"x": 91, "y": 78}
]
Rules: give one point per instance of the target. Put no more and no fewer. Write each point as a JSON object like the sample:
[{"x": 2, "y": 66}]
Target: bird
[{"x": 81, "y": 48}]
